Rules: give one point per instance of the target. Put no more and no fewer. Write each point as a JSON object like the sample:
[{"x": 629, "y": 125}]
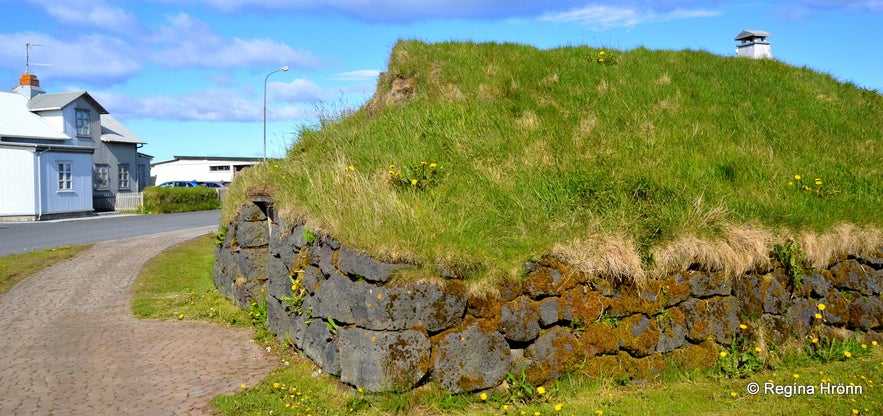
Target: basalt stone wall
[{"x": 339, "y": 308}]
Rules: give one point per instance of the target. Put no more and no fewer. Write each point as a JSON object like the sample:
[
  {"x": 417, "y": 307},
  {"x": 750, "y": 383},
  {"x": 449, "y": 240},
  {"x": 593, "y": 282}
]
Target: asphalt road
[{"x": 31, "y": 236}]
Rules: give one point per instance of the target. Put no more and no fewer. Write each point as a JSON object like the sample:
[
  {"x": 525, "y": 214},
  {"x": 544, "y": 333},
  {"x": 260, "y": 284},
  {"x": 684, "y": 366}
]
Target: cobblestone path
[{"x": 69, "y": 344}]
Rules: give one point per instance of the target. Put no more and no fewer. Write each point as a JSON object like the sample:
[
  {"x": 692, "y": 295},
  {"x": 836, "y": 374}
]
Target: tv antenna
[{"x": 28, "y": 47}]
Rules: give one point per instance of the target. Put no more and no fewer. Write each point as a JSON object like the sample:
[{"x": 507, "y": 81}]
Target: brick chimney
[{"x": 29, "y": 86}]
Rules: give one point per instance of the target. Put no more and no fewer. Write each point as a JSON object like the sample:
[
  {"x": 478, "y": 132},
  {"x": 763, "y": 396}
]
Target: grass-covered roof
[{"x": 478, "y": 157}]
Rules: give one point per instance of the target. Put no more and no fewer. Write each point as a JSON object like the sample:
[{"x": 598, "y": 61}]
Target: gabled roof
[
  {"x": 115, "y": 132},
  {"x": 16, "y": 121},
  {"x": 49, "y": 102},
  {"x": 748, "y": 34}
]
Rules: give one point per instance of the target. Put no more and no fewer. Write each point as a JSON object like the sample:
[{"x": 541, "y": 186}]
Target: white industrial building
[{"x": 200, "y": 168}]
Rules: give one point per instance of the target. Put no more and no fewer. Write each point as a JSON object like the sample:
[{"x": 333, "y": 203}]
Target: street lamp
[{"x": 283, "y": 69}]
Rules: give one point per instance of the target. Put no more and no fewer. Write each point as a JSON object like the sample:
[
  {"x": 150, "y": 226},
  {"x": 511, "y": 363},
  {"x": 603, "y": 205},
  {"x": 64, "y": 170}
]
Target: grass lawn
[
  {"x": 178, "y": 285},
  {"x": 296, "y": 389},
  {"x": 16, "y": 267}
]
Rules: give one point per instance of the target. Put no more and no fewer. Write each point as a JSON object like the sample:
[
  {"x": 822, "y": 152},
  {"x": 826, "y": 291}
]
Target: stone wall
[{"x": 340, "y": 309}]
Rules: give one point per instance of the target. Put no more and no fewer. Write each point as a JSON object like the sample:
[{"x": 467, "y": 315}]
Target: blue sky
[{"x": 188, "y": 75}]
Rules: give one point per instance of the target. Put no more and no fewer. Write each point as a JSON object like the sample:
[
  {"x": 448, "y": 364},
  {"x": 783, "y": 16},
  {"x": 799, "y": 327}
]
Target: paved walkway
[{"x": 69, "y": 344}]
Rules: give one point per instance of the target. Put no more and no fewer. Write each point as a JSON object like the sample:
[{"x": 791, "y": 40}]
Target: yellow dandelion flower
[
  {"x": 818, "y": 316},
  {"x": 351, "y": 168},
  {"x": 743, "y": 326},
  {"x": 601, "y": 53},
  {"x": 432, "y": 165},
  {"x": 413, "y": 182},
  {"x": 422, "y": 163},
  {"x": 541, "y": 390},
  {"x": 483, "y": 397},
  {"x": 821, "y": 306},
  {"x": 815, "y": 340},
  {"x": 558, "y": 407},
  {"x": 790, "y": 183},
  {"x": 757, "y": 349},
  {"x": 599, "y": 412},
  {"x": 847, "y": 354},
  {"x": 242, "y": 386},
  {"x": 734, "y": 394},
  {"x": 874, "y": 343},
  {"x": 275, "y": 385},
  {"x": 797, "y": 376},
  {"x": 797, "y": 177},
  {"x": 723, "y": 354},
  {"x": 855, "y": 411},
  {"x": 181, "y": 316},
  {"x": 536, "y": 413},
  {"x": 864, "y": 346},
  {"x": 505, "y": 407},
  {"x": 818, "y": 181}
]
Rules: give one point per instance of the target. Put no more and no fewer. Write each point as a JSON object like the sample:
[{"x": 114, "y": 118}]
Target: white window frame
[
  {"x": 65, "y": 176},
  {"x": 83, "y": 122},
  {"x": 124, "y": 176},
  {"x": 102, "y": 179}
]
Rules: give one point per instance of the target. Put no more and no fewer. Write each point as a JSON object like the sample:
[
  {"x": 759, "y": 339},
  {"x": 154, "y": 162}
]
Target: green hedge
[{"x": 167, "y": 200}]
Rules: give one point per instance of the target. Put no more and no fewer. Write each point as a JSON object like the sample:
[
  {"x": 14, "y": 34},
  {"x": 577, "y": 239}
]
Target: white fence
[
  {"x": 129, "y": 201},
  {"x": 133, "y": 201}
]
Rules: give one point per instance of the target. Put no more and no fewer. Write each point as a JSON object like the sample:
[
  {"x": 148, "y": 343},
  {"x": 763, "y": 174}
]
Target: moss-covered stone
[
  {"x": 638, "y": 335},
  {"x": 696, "y": 356},
  {"x": 598, "y": 339}
]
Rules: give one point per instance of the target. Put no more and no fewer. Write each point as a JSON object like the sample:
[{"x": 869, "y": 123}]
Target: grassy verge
[
  {"x": 178, "y": 284},
  {"x": 296, "y": 389},
  {"x": 16, "y": 267}
]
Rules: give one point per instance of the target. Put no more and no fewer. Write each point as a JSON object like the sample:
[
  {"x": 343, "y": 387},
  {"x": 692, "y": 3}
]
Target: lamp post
[{"x": 283, "y": 69}]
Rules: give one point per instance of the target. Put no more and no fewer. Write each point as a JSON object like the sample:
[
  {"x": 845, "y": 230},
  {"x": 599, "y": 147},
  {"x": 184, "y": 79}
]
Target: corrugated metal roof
[
  {"x": 115, "y": 132},
  {"x": 57, "y": 101},
  {"x": 748, "y": 34},
  {"x": 17, "y": 121}
]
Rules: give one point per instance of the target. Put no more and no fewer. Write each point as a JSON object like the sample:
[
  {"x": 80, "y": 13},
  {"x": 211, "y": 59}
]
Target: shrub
[{"x": 168, "y": 200}]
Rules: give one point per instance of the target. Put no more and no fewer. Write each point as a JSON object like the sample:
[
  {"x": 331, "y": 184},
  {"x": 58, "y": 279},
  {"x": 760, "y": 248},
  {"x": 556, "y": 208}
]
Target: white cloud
[
  {"x": 299, "y": 90},
  {"x": 870, "y": 5},
  {"x": 90, "y": 59},
  {"x": 95, "y": 13},
  {"x": 359, "y": 75},
  {"x": 606, "y": 17},
  {"x": 189, "y": 42},
  {"x": 285, "y": 101}
]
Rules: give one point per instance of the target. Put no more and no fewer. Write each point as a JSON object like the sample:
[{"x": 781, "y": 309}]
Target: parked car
[
  {"x": 213, "y": 185},
  {"x": 178, "y": 184}
]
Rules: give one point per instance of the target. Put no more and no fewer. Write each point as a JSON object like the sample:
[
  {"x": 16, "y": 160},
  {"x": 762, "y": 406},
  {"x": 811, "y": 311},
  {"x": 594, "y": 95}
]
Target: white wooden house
[
  {"x": 200, "y": 168},
  {"x": 50, "y": 145}
]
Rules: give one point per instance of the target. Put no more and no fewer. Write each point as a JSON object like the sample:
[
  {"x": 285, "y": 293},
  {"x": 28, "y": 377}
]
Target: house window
[
  {"x": 102, "y": 177},
  {"x": 124, "y": 176},
  {"x": 65, "y": 177},
  {"x": 219, "y": 168},
  {"x": 82, "y": 122}
]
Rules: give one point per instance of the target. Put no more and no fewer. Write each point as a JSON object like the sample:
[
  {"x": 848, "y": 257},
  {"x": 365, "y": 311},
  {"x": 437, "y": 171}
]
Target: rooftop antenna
[{"x": 28, "y": 47}]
